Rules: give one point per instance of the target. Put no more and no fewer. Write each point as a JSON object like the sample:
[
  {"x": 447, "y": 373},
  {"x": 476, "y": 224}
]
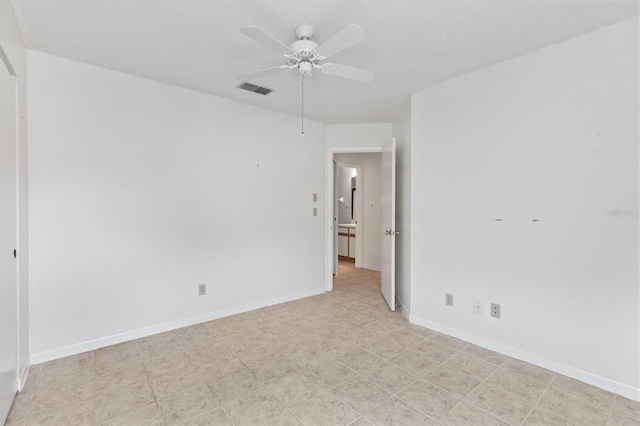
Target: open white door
[
  {"x": 335, "y": 219},
  {"x": 8, "y": 238},
  {"x": 388, "y": 222}
]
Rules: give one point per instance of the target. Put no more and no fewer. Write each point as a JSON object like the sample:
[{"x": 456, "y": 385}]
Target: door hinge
[{"x": 15, "y": 253}]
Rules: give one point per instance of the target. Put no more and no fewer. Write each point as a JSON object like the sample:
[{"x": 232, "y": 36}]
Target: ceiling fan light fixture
[{"x": 305, "y": 68}]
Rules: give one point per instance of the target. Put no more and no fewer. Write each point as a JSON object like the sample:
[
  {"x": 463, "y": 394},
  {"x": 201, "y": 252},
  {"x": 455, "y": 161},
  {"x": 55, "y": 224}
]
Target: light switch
[
  {"x": 315, "y": 211},
  {"x": 315, "y": 197}
]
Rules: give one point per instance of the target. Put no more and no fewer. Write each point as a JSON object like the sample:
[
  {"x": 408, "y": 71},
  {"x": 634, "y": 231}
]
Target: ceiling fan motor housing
[{"x": 304, "y": 47}]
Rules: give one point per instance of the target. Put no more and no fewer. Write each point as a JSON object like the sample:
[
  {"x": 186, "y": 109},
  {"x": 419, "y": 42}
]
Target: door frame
[
  {"x": 6, "y": 63},
  {"x": 329, "y": 249}
]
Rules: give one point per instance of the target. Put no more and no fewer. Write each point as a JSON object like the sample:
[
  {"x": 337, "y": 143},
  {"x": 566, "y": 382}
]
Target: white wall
[
  {"x": 357, "y": 135},
  {"x": 551, "y": 135},
  {"x": 140, "y": 191},
  {"x": 369, "y": 225},
  {"x": 402, "y": 133},
  {"x": 11, "y": 42}
]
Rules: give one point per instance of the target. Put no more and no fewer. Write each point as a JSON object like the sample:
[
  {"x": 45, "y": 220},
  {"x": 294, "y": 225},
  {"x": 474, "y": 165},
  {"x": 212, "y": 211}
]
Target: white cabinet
[
  {"x": 352, "y": 244},
  {"x": 347, "y": 241}
]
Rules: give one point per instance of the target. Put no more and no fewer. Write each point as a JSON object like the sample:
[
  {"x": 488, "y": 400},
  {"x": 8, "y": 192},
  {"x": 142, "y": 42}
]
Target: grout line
[{"x": 539, "y": 399}]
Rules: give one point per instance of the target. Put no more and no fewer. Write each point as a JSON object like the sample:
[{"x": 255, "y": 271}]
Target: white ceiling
[{"x": 411, "y": 44}]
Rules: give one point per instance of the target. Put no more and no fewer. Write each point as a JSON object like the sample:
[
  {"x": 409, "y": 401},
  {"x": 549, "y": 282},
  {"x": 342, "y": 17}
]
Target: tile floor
[{"x": 336, "y": 359}]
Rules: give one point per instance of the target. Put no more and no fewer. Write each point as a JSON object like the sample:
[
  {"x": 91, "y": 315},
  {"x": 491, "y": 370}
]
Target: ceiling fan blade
[
  {"x": 261, "y": 73},
  {"x": 346, "y": 37},
  {"x": 268, "y": 40},
  {"x": 347, "y": 71}
]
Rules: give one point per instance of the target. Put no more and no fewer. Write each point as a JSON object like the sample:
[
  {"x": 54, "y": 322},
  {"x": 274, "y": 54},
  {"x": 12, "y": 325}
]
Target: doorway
[{"x": 385, "y": 207}]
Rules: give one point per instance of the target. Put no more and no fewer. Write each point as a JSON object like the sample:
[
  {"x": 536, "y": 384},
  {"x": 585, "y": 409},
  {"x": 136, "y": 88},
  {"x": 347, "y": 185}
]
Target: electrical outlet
[
  {"x": 202, "y": 289},
  {"x": 449, "y": 299},
  {"x": 477, "y": 306},
  {"x": 495, "y": 310}
]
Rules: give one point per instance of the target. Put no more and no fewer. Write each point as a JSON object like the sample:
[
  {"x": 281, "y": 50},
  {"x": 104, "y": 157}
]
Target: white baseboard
[
  {"x": 90, "y": 345},
  {"x": 371, "y": 267},
  {"x": 403, "y": 308},
  {"x": 22, "y": 377},
  {"x": 575, "y": 373}
]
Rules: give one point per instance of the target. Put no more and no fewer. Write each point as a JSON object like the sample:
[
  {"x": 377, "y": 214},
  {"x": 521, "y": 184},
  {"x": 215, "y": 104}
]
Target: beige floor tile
[
  {"x": 117, "y": 377},
  {"x": 19, "y": 408},
  {"x": 216, "y": 417},
  {"x": 435, "y": 351},
  {"x": 68, "y": 364},
  {"x": 117, "y": 402},
  {"x": 390, "y": 377},
  {"x": 361, "y": 335},
  {"x": 329, "y": 373},
  {"x": 578, "y": 408},
  {"x": 335, "y": 345},
  {"x": 361, "y": 422},
  {"x": 116, "y": 356},
  {"x": 157, "y": 345},
  {"x": 359, "y": 359},
  {"x": 530, "y": 371},
  {"x": 358, "y": 318},
  {"x": 274, "y": 370},
  {"x": 499, "y": 403},
  {"x": 234, "y": 385},
  {"x": 255, "y": 408},
  {"x": 287, "y": 419},
  {"x": 327, "y": 409},
  {"x": 384, "y": 348},
  {"x": 79, "y": 413},
  {"x": 385, "y": 325},
  {"x": 452, "y": 342},
  {"x": 59, "y": 393},
  {"x": 467, "y": 415},
  {"x": 485, "y": 354},
  {"x": 194, "y": 336},
  {"x": 429, "y": 399},
  {"x": 396, "y": 412},
  {"x": 625, "y": 412},
  {"x": 361, "y": 394},
  {"x": 186, "y": 405},
  {"x": 217, "y": 367},
  {"x": 577, "y": 389},
  {"x": 171, "y": 364},
  {"x": 149, "y": 415},
  {"x": 516, "y": 384},
  {"x": 471, "y": 365},
  {"x": 423, "y": 332},
  {"x": 405, "y": 338},
  {"x": 165, "y": 386},
  {"x": 541, "y": 417},
  {"x": 452, "y": 381},
  {"x": 414, "y": 362},
  {"x": 295, "y": 390}
]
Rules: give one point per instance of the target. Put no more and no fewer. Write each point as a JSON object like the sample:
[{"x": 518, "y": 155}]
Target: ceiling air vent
[{"x": 253, "y": 88}]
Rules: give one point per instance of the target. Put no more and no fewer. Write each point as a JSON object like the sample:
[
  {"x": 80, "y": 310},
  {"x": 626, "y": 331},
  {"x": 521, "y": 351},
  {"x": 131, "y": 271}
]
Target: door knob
[{"x": 396, "y": 233}]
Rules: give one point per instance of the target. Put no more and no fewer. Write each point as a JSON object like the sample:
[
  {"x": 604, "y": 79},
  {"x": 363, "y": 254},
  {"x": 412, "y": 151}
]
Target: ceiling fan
[{"x": 305, "y": 54}]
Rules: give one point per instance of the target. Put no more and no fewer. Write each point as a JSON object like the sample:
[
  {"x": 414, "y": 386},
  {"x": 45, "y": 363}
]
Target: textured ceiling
[{"x": 411, "y": 44}]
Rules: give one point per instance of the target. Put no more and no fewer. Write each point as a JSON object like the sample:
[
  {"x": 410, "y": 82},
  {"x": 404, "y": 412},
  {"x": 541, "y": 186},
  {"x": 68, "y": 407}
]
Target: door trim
[{"x": 328, "y": 245}]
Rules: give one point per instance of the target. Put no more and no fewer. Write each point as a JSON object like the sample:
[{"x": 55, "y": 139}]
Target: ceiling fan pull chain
[{"x": 302, "y": 106}]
